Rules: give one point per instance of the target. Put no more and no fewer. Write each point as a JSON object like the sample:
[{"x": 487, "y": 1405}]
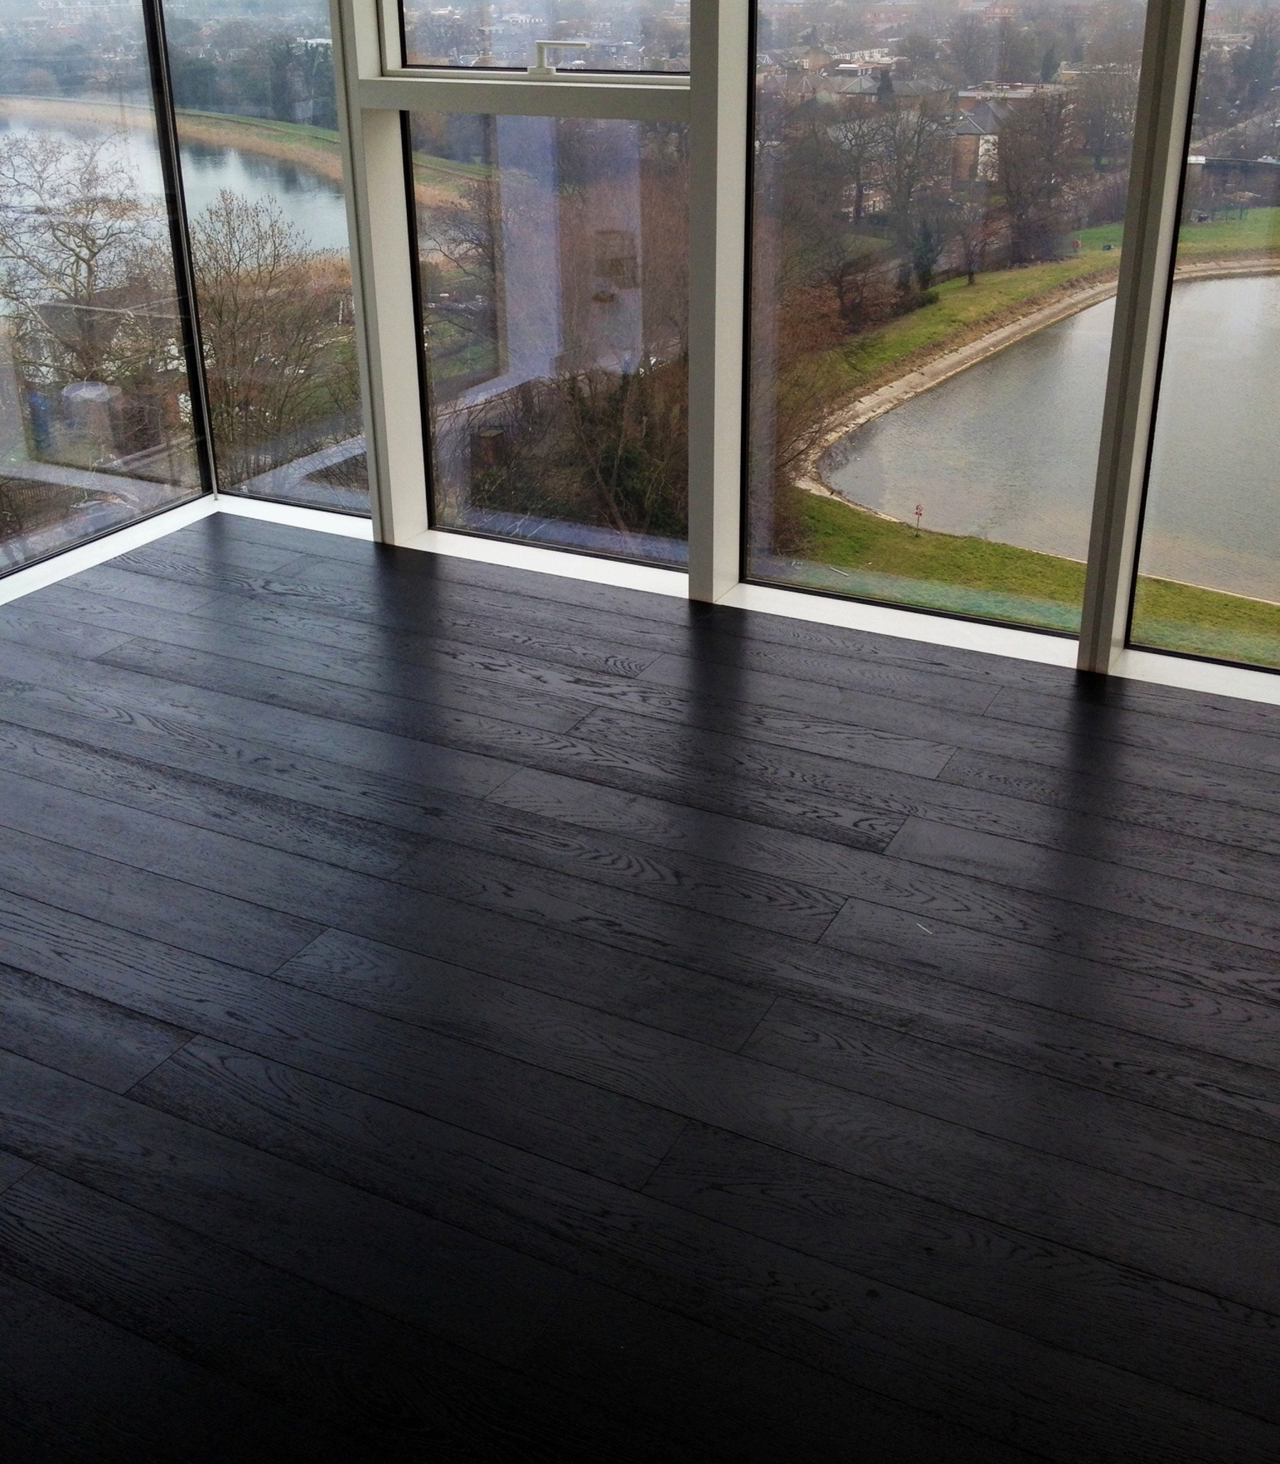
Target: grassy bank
[
  {"x": 1255, "y": 235},
  {"x": 974, "y": 576},
  {"x": 964, "y": 312},
  {"x": 314, "y": 148}
]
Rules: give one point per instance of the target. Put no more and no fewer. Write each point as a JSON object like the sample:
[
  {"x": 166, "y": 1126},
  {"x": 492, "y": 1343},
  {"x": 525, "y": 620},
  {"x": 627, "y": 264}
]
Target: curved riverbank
[
  {"x": 951, "y": 359},
  {"x": 314, "y": 148}
]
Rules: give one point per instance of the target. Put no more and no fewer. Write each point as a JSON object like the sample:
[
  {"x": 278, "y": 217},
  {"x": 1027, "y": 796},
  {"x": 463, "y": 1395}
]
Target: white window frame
[{"x": 375, "y": 88}]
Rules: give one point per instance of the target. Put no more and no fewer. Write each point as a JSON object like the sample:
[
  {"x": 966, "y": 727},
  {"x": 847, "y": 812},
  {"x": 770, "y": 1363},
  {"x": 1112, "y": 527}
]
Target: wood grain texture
[
  {"x": 455, "y": 1013},
  {"x": 400, "y": 1391}
]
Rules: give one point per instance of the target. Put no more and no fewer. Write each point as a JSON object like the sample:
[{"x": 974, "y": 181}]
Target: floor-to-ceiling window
[
  {"x": 256, "y": 114},
  {"x": 938, "y": 219},
  {"x": 927, "y": 354},
  {"x": 96, "y": 422},
  {"x": 553, "y": 256}
]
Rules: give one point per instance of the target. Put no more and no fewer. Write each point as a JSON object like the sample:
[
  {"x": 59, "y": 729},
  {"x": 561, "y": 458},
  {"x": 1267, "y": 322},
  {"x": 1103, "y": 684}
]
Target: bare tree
[
  {"x": 856, "y": 137},
  {"x": 914, "y": 163},
  {"x": 277, "y": 341},
  {"x": 974, "y": 229},
  {"x": 1037, "y": 148},
  {"x": 74, "y": 241},
  {"x": 970, "y": 50},
  {"x": 1106, "y": 101},
  {"x": 88, "y": 300}
]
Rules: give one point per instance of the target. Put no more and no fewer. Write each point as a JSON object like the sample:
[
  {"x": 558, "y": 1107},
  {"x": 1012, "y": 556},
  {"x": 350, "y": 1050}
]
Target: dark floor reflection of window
[
  {"x": 262, "y": 172},
  {"x": 553, "y": 259},
  {"x": 95, "y": 410}
]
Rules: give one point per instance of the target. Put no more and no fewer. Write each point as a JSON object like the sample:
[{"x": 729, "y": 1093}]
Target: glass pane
[
  {"x": 619, "y": 35},
  {"x": 937, "y": 225},
  {"x": 1209, "y": 565},
  {"x": 95, "y": 416},
  {"x": 553, "y": 259},
  {"x": 262, "y": 172}
]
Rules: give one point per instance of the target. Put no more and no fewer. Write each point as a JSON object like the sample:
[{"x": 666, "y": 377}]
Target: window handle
[{"x": 540, "y": 65}]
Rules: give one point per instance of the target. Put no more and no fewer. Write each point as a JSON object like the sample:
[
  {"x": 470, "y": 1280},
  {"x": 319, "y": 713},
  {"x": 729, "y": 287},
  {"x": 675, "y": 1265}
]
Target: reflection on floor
[{"x": 464, "y": 1014}]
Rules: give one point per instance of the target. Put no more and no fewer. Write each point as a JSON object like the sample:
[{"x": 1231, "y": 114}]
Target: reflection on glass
[
  {"x": 262, "y": 174},
  {"x": 1209, "y": 562},
  {"x": 620, "y": 35},
  {"x": 553, "y": 258},
  {"x": 95, "y": 415},
  {"x": 937, "y": 223}
]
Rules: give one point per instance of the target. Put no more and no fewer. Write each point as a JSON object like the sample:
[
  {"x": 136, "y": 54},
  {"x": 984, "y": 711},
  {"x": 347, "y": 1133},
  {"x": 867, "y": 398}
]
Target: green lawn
[
  {"x": 1257, "y": 233},
  {"x": 859, "y": 553},
  {"x": 962, "y": 313}
]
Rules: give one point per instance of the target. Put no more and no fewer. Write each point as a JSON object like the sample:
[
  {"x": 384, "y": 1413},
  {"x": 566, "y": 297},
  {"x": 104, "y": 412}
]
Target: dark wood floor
[{"x": 457, "y": 1014}]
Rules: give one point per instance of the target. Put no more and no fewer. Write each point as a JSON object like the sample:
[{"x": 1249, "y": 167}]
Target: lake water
[
  {"x": 311, "y": 202},
  {"x": 1007, "y": 450}
]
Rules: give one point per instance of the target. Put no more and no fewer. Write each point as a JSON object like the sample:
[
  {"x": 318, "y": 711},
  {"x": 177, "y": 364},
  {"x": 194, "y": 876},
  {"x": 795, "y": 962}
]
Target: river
[
  {"x": 1007, "y": 450},
  {"x": 312, "y": 203}
]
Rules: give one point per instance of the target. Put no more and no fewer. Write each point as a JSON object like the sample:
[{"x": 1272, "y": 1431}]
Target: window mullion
[
  {"x": 720, "y": 81},
  {"x": 382, "y": 279},
  {"x": 1150, "y": 237}
]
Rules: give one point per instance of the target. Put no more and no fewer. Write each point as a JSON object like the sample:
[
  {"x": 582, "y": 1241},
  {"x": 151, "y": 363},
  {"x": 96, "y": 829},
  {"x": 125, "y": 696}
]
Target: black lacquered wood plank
[
  {"x": 472, "y": 1292},
  {"x": 820, "y": 1212},
  {"x": 1060, "y": 745},
  {"x": 34, "y": 764},
  {"x": 1091, "y": 792},
  {"x": 1135, "y": 727},
  {"x": 216, "y": 860},
  {"x": 1026, "y": 1107},
  {"x": 1196, "y": 1014},
  {"x": 1125, "y": 1220},
  {"x": 107, "y": 1044},
  {"x": 170, "y": 561},
  {"x": 444, "y": 924},
  {"x": 1092, "y": 879},
  {"x": 768, "y": 900},
  {"x": 1065, "y": 926},
  {"x": 41, "y": 690},
  {"x": 393, "y": 700},
  {"x": 506, "y": 1194},
  {"x": 670, "y": 823},
  {"x": 150, "y": 904},
  {"x": 26, "y": 622},
  {"x": 12, "y": 1168},
  {"x": 557, "y": 700},
  {"x": 710, "y": 1035},
  {"x": 521, "y": 1103},
  {"x": 662, "y": 1255},
  {"x": 87, "y": 1391},
  {"x": 809, "y": 651},
  {"x": 499, "y": 627},
  {"x": 1025, "y": 1033},
  {"x": 398, "y": 1389}
]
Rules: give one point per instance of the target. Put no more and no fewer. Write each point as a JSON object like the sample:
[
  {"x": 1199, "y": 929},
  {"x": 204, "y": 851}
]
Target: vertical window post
[
  {"x": 382, "y": 280},
  {"x": 720, "y": 81},
  {"x": 1146, "y": 268}
]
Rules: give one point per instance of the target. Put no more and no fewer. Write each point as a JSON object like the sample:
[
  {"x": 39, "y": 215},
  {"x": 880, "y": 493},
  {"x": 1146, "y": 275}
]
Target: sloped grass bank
[{"x": 859, "y": 553}]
